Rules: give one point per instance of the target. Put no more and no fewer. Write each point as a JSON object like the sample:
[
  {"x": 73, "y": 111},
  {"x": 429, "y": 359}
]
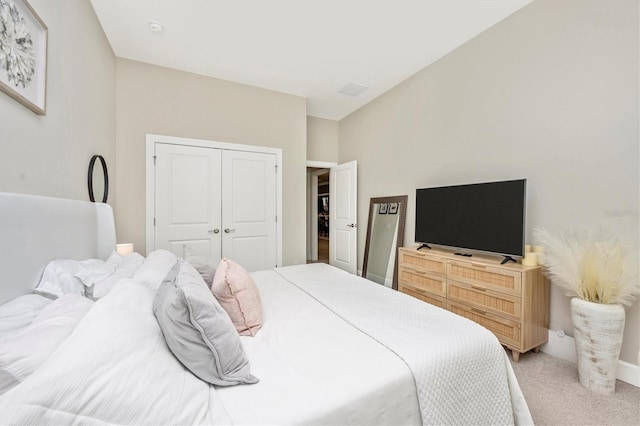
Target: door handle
[
  {"x": 214, "y": 231},
  {"x": 352, "y": 225},
  {"x": 227, "y": 230}
]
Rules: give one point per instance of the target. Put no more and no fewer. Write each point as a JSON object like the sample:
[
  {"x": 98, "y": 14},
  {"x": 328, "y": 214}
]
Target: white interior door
[
  {"x": 343, "y": 236},
  {"x": 187, "y": 195},
  {"x": 249, "y": 209},
  {"x": 313, "y": 218}
]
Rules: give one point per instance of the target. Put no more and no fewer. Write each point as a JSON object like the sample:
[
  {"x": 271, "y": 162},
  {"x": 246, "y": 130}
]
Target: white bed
[{"x": 333, "y": 349}]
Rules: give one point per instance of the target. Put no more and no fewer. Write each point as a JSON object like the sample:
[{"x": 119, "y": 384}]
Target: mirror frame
[
  {"x": 402, "y": 216},
  {"x": 105, "y": 175}
]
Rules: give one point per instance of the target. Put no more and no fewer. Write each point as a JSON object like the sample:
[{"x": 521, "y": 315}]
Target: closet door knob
[
  {"x": 227, "y": 230},
  {"x": 352, "y": 225},
  {"x": 214, "y": 231}
]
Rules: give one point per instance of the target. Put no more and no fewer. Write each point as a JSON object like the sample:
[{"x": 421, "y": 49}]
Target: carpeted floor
[{"x": 555, "y": 396}]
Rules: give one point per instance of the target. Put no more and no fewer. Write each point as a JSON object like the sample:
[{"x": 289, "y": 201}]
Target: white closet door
[
  {"x": 343, "y": 202},
  {"x": 249, "y": 209},
  {"x": 187, "y": 200}
]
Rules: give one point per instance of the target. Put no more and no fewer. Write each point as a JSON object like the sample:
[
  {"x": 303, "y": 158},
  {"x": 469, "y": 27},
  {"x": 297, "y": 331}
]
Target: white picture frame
[{"x": 23, "y": 33}]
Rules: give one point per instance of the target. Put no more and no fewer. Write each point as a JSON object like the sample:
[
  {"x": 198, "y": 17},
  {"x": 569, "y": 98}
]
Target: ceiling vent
[{"x": 352, "y": 89}]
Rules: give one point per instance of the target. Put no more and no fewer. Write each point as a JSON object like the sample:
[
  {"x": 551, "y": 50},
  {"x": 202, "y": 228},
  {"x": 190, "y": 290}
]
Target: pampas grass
[{"x": 594, "y": 266}]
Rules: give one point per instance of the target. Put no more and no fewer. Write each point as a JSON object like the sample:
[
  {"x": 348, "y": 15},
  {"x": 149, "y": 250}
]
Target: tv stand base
[
  {"x": 508, "y": 259},
  {"x": 424, "y": 246},
  {"x": 463, "y": 254}
]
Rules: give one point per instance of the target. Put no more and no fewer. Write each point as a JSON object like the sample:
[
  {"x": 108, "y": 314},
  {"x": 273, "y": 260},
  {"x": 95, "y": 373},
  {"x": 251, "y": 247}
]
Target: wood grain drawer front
[
  {"x": 508, "y": 332},
  {"x": 423, "y": 281},
  {"x": 424, "y": 296},
  {"x": 422, "y": 261},
  {"x": 503, "y": 280},
  {"x": 486, "y": 300}
]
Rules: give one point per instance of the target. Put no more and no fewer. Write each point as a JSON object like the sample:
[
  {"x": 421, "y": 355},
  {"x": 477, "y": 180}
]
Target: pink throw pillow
[{"x": 237, "y": 293}]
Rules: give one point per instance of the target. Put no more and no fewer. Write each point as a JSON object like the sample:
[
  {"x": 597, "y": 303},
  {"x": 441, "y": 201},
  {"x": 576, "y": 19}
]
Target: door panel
[
  {"x": 251, "y": 252},
  {"x": 190, "y": 175},
  {"x": 196, "y": 248},
  {"x": 249, "y": 213},
  {"x": 342, "y": 217},
  {"x": 343, "y": 244},
  {"x": 187, "y": 207}
]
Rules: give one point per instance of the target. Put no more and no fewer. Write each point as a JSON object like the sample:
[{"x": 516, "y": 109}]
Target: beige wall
[
  {"x": 551, "y": 95},
  {"x": 49, "y": 155},
  {"x": 322, "y": 140},
  {"x": 157, "y": 100}
]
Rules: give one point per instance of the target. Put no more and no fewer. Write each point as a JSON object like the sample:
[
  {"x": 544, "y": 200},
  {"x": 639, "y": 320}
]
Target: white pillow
[
  {"x": 155, "y": 267},
  {"x": 65, "y": 276},
  {"x": 58, "y": 279},
  {"x": 205, "y": 267}
]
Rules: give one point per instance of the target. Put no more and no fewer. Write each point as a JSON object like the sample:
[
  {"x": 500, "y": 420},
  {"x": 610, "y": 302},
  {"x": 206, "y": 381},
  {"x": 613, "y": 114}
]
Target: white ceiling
[{"x": 308, "y": 48}]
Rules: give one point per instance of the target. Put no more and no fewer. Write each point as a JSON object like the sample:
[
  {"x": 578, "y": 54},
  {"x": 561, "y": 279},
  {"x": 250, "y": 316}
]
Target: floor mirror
[{"x": 385, "y": 233}]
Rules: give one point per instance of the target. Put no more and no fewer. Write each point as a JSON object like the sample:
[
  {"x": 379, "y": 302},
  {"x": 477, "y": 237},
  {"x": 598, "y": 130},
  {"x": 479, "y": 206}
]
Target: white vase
[{"x": 598, "y": 330}]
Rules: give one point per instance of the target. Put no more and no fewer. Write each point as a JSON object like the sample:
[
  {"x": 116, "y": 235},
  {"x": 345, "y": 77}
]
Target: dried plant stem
[{"x": 595, "y": 267}]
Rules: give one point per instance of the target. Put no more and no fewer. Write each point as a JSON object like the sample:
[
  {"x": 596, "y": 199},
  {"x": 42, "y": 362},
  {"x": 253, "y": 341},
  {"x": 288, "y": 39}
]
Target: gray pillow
[
  {"x": 205, "y": 267},
  {"x": 198, "y": 330}
]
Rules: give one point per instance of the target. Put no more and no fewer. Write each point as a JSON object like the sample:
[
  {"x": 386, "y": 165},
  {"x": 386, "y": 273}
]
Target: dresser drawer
[
  {"x": 423, "y": 295},
  {"x": 423, "y": 281},
  {"x": 485, "y": 276},
  {"x": 501, "y": 304},
  {"x": 508, "y": 332},
  {"x": 423, "y": 262}
]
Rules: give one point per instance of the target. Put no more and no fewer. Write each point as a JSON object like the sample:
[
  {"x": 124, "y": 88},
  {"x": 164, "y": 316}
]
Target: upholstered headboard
[{"x": 35, "y": 230}]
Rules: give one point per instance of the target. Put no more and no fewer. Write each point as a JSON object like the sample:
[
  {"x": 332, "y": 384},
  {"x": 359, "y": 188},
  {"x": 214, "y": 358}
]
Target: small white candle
[
  {"x": 530, "y": 259},
  {"x": 527, "y": 248},
  {"x": 539, "y": 250},
  {"x": 124, "y": 249}
]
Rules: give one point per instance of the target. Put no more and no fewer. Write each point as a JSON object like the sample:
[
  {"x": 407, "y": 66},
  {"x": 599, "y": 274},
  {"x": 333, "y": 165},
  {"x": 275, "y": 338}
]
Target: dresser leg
[
  {"x": 516, "y": 355},
  {"x": 536, "y": 349}
]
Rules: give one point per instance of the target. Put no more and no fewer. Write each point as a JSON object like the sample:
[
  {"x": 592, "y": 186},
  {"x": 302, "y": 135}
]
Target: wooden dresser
[{"x": 511, "y": 300}]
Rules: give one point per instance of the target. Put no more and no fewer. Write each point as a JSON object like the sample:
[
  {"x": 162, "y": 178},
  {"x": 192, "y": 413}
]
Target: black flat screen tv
[{"x": 484, "y": 217}]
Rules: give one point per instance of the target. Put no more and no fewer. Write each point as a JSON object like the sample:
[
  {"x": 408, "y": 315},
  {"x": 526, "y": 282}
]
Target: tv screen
[{"x": 487, "y": 217}]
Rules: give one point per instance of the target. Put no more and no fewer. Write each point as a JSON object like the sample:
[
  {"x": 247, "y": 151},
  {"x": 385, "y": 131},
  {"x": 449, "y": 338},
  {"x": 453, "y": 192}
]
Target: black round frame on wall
[{"x": 105, "y": 173}]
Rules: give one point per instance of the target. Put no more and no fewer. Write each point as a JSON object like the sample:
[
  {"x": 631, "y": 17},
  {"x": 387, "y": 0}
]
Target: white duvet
[
  {"x": 461, "y": 372},
  {"x": 314, "y": 367},
  {"x": 115, "y": 368},
  {"x": 23, "y": 350}
]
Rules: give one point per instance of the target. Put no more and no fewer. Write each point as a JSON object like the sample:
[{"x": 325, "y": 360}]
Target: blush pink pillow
[{"x": 237, "y": 293}]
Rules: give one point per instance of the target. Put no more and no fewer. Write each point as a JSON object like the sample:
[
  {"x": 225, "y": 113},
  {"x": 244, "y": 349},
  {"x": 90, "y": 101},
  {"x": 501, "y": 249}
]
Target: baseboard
[
  {"x": 564, "y": 347},
  {"x": 560, "y": 346},
  {"x": 628, "y": 373}
]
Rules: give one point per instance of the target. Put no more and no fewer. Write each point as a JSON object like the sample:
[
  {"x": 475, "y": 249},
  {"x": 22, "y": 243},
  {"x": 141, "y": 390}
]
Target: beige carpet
[{"x": 555, "y": 396}]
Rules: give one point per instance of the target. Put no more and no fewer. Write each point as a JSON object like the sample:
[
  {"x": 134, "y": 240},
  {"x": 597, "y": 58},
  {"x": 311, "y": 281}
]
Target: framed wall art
[{"x": 23, "y": 54}]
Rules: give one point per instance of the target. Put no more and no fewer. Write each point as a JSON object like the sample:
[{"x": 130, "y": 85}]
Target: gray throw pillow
[
  {"x": 204, "y": 266},
  {"x": 198, "y": 330}
]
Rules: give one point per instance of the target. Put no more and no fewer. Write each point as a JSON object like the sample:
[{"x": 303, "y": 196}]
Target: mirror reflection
[{"x": 385, "y": 233}]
